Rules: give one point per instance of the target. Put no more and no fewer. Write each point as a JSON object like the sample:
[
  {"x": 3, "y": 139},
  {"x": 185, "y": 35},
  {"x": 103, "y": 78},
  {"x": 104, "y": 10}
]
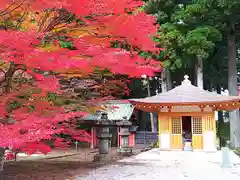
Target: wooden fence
[{"x": 145, "y": 138}]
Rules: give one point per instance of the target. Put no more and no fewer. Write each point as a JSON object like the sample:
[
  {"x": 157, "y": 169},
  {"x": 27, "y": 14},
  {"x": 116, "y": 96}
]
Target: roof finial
[{"x": 186, "y": 80}]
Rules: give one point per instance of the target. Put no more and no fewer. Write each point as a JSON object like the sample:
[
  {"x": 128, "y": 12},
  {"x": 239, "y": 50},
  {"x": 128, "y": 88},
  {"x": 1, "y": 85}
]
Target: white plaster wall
[
  {"x": 164, "y": 141},
  {"x": 209, "y": 141}
]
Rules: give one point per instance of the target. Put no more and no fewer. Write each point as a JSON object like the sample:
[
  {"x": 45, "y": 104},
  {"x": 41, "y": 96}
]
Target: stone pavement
[{"x": 168, "y": 165}]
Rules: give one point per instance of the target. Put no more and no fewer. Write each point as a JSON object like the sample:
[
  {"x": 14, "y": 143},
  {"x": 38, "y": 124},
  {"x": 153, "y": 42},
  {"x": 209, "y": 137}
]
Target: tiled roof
[
  {"x": 187, "y": 94},
  {"x": 116, "y": 110}
]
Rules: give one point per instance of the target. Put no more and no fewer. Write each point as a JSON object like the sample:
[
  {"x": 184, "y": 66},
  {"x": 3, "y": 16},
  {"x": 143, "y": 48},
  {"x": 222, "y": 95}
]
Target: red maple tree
[{"x": 27, "y": 116}]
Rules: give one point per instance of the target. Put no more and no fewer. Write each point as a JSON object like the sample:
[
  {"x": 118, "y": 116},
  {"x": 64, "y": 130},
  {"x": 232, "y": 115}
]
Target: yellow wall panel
[
  {"x": 197, "y": 142},
  {"x": 163, "y": 124},
  {"x": 176, "y": 142},
  {"x": 215, "y": 131},
  {"x": 208, "y": 123}
]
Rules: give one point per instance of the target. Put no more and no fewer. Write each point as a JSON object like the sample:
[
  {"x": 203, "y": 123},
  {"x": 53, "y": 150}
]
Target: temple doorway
[{"x": 187, "y": 133}]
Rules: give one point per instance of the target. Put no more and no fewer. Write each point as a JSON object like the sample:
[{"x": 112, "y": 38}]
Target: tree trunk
[
  {"x": 2, "y": 152},
  {"x": 199, "y": 72},
  {"x": 150, "y": 114},
  {"x": 220, "y": 122},
  {"x": 164, "y": 80},
  {"x": 220, "y": 113},
  {"x": 8, "y": 77},
  {"x": 168, "y": 79},
  {"x": 232, "y": 85}
]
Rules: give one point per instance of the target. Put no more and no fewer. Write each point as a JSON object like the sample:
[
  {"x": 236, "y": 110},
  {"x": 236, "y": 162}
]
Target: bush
[
  {"x": 237, "y": 151},
  {"x": 155, "y": 144}
]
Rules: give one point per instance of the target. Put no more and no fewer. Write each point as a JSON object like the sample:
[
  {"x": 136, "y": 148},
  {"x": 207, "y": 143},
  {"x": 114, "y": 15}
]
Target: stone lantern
[
  {"x": 124, "y": 133},
  {"x": 104, "y": 138}
]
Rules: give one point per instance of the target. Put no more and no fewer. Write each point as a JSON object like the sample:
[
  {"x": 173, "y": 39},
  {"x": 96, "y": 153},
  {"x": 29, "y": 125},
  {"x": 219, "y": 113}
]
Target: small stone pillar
[
  {"x": 124, "y": 133},
  {"x": 104, "y": 139},
  {"x": 226, "y": 156}
]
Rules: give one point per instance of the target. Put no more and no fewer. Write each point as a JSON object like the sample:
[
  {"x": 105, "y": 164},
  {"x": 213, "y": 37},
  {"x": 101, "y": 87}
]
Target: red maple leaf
[{"x": 32, "y": 117}]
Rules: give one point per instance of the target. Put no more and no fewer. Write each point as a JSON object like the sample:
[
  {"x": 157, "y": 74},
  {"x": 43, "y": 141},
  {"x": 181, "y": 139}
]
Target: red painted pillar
[
  {"x": 94, "y": 137},
  {"x": 132, "y": 139}
]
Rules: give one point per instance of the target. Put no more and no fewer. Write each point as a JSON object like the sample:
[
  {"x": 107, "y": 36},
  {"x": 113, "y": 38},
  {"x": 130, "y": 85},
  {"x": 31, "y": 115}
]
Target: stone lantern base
[
  {"x": 102, "y": 158},
  {"x": 125, "y": 151}
]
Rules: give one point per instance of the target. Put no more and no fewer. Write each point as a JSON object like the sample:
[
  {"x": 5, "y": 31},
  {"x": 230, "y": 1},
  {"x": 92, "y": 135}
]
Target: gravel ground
[
  {"x": 57, "y": 165},
  {"x": 157, "y": 165}
]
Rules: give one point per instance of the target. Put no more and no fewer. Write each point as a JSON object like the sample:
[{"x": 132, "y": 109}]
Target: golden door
[
  {"x": 197, "y": 133},
  {"x": 176, "y": 138}
]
